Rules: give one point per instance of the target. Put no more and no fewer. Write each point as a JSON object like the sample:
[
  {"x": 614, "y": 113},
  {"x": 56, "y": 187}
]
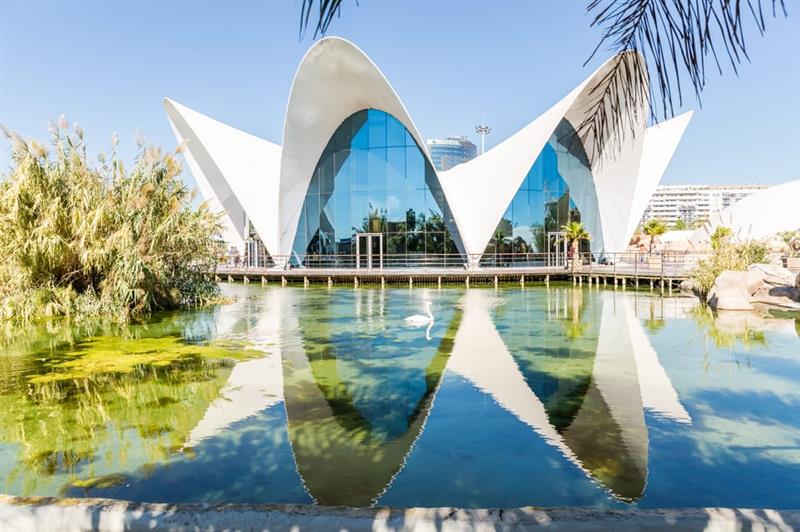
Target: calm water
[{"x": 512, "y": 397}]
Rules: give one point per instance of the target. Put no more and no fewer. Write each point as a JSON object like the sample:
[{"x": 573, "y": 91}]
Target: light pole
[{"x": 483, "y": 131}]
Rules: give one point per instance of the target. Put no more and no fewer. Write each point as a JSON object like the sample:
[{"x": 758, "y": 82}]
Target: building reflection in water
[
  {"x": 355, "y": 401},
  {"x": 351, "y": 395},
  {"x": 579, "y": 372}
]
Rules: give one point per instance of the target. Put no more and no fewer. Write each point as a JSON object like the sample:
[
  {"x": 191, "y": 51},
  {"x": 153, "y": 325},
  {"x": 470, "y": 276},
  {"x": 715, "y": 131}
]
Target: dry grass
[{"x": 97, "y": 240}]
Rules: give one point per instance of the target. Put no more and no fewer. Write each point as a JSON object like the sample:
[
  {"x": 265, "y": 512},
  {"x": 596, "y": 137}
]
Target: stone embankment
[{"x": 29, "y": 514}]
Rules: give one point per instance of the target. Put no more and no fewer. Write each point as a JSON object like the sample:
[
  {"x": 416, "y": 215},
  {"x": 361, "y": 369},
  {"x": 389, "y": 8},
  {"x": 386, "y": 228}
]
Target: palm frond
[
  {"x": 678, "y": 40},
  {"x": 326, "y": 10}
]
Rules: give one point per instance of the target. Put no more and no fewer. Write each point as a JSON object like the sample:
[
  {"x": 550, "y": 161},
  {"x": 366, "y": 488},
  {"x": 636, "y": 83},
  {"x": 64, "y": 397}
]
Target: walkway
[{"x": 622, "y": 275}]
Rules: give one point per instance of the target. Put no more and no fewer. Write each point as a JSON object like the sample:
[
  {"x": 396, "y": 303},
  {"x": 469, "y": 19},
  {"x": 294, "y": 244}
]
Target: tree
[
  {"x": 677, "y": 39},
  {"x": 680, "y": 225},
  {"x": 574, "y": 233},
  {"x": 720, "y": 237},
  {"x": 653, "y": 229},
  {"x": 792, "y": 240},
  {"x": 80, "y": 240}
]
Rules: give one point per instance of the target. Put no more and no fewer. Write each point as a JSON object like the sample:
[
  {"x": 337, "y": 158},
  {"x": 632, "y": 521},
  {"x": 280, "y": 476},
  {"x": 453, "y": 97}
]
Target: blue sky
[{"x": 107, "y": 65}]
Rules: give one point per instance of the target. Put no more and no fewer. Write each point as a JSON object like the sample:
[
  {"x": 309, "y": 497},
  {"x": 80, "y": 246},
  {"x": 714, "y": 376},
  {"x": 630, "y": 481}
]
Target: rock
[
  {"x": 754, "y": 281},
  {"x": 742, "y": 323},
  {"x": 786, "y": 297},
  {"x": 688, "y": 286},
  {"x": 777, "y": 275},
  {"x": 732, "y": 290}
]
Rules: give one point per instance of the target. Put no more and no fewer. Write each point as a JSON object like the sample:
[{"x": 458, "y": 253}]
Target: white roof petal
[{"x": 237, "y": 169}]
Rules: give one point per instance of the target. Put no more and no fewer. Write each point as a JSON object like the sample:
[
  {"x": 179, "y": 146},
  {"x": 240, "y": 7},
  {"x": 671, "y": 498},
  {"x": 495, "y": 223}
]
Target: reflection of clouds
[
  {"x": 724, "y": 439},
  {"x": 393, "y": 203}
]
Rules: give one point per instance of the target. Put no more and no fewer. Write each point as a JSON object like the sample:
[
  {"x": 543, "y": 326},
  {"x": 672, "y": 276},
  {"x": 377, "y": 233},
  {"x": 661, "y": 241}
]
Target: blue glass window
[
  {"x": 543, "y": 202},
  {"x": 372, "y": 177}
]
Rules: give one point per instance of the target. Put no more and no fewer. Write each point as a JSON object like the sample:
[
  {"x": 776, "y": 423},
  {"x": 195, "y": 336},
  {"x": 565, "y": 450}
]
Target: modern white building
[
  {"x": 352, "y": 183},
  {"x": 759, "y": 216},
  {"x": 694, "y": 203}
]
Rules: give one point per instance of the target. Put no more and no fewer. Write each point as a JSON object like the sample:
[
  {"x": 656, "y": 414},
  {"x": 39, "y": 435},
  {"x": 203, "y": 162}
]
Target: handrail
[{"x": 663, "y": 264}]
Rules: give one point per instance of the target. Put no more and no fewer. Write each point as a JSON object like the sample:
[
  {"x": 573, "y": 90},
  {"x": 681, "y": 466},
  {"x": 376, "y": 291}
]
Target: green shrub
[
  {"x": 85, "y": 240},
  {"x": 727, "y": 255},
  {"x": 792, "y": 240}
]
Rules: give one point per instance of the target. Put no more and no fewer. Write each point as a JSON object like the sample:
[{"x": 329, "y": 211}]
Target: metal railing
[{"x": 629, "y": 263}]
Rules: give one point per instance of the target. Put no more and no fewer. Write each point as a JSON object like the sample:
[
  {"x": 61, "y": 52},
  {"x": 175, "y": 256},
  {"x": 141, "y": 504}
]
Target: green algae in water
[
  {"x": 83, "y": 408},
  {"x": 106, "y": 481},
  {"x": 113, "y": 354}
]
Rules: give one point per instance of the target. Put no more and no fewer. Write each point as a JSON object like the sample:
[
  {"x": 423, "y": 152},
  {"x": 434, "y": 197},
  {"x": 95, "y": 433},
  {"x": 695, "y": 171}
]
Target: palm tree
[
  {"x": 574, "y": 232},
  {"x": 654, "y": 228},
  {"x": 675, "y": 38}
]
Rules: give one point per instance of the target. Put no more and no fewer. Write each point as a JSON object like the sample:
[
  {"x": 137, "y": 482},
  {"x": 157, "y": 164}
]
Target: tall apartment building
[
  {"x": 450, "y": 151},
  {"x": 694, "y": 203}
]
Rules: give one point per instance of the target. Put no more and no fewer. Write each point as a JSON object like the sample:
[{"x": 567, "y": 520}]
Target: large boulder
[
  {"x": 779, "y": 296},
  {"x": 777, "y": 275},
  {"x": 732, "y": 290}
]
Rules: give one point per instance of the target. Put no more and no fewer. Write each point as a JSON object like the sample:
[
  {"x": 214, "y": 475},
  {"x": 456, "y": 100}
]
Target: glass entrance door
[
  {"x": 557, "y": 247},
  {"x": 369, "y": 250}
]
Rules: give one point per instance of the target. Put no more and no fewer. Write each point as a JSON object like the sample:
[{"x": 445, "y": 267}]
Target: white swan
[{"x": 418, "y": 320}]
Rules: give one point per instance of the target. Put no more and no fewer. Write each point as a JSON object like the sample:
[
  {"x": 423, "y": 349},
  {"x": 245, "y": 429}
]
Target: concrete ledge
[{"x": 34, "y": 514}]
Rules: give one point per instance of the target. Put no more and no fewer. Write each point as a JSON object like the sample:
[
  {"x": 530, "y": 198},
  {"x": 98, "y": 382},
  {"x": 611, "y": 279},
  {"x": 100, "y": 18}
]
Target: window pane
[
  {"x": 325, "y": 174},
  {"x": 415, "y": 242},
  {"x": 359, "y": 130},
  {"x": 359, "y": 213},
  {"x": 396, "y": 243},
  {"x": 360, "y": 169},
  {"x": 434, "y": 243},
  {"x": 376, "y": 166},
  {"x": 415, "y": 209},
  {"x": 395, "y": 132},
  {"x": 415, "y": 168},
  {"x": 395, "y": 167},
  {"x": 394, "y": 206},
  {"x": 377, "y": 129}
]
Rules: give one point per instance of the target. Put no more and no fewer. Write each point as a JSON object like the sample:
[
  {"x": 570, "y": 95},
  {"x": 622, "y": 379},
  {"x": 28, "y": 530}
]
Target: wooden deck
[{"x": 623, "y": 276}]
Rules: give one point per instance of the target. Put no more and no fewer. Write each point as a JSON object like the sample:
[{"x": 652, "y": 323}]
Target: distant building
[
  {"x": 694, "y": 203},
  {"x": 450, "y": 151}
]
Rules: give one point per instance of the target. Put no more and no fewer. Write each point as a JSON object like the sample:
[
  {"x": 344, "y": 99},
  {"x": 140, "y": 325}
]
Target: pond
[{"x": 554, "y": 396}]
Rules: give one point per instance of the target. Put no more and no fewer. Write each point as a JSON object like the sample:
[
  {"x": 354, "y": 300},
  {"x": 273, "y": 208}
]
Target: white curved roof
[
  {"x": 234, "y": 169},
  {"x": 336, "y": 79},
  {"x": 488, "y": 183},
  {"x": 758, "y": 216}
]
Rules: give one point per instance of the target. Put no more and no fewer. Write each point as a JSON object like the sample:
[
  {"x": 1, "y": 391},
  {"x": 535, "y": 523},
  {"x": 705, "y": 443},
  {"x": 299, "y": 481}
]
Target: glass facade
[
  {"x": 544, "y": 201},
  {"x": 372, "y": 177}
]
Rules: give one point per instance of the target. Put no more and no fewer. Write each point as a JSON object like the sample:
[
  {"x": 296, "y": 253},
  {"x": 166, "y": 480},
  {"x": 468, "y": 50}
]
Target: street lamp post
[{"x": 483, "y": 131}]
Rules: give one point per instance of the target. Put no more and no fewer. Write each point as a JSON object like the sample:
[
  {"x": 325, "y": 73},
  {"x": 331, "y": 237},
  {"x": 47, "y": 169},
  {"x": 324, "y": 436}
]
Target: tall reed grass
[{"x": 84, "y": 240}]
